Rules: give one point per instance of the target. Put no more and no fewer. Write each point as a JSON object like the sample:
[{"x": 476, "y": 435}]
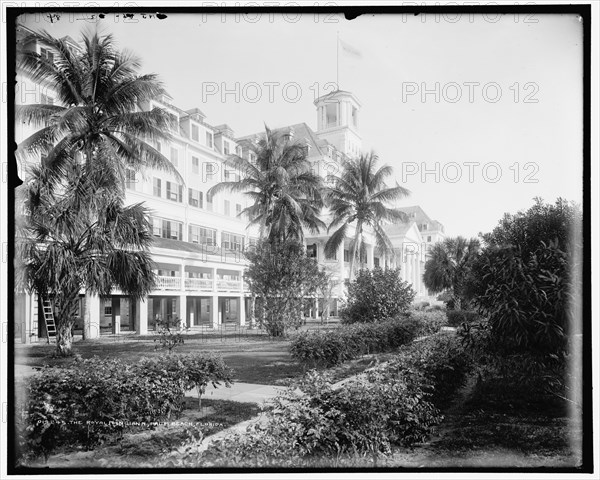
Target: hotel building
[{"x": 200, "y": 239}]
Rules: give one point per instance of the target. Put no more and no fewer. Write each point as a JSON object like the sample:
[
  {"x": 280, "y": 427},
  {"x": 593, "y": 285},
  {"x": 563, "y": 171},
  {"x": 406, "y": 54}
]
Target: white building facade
[{"x": 200, "y": 240}]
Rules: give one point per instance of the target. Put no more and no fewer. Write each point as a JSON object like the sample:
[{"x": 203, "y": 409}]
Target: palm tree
[
  {"x": 66, "y": 243},
  {"x": 359, "y": 196},
  {"x": 448, "y": 267},
  {"x": 96, "y": 119},
  {"x": 286, "y": 194}
]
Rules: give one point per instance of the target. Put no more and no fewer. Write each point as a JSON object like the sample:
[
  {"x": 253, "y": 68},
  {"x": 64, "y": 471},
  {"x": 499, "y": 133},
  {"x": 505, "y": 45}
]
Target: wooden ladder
[{"x": 49, "y": 318}]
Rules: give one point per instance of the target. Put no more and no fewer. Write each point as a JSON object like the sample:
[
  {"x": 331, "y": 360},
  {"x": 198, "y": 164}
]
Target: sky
[{"x": 476, "y": 114}]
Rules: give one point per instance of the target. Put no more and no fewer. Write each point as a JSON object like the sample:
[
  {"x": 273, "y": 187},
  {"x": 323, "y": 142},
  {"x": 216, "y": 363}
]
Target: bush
[
  {"x": 366, "y": 416},
  {"x": 376, "y": 295},
  {"x": 98, "y": 398},
  {"x": 333, "y": 347},
  {"x": 421, "y": 305},
  {"x": 430, "y": 322},
  {"x": 443, "y": 360},
  {"x": 458, "y": 317}
]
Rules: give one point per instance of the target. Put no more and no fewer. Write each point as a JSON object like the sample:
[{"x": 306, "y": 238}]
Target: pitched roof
[{"x": 302, "y": 133}]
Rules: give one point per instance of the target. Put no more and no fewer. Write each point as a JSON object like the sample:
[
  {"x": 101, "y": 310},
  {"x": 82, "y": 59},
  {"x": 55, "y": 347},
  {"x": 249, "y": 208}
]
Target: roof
[
  {"x": 302, "y": 133},
  {"x": 421, "y": 217},
  {"x": 398, "y": 229}
]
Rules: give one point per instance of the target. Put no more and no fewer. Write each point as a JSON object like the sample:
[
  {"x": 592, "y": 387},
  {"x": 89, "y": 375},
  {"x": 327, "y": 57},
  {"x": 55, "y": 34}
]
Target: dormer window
[
  {"x": 226, "y": 147},
  {"x": 195, "y": 133},
  {"x": 209, "y": 139},
  {"x": 47, "y": 55}
]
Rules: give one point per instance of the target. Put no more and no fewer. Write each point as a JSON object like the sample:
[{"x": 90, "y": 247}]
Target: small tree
[
  {"x": 280, "y": 275},
  {"x": 325, "y": 284},
  {"x": 169, "y": 333},
  {"x": 377, "y": 295}
]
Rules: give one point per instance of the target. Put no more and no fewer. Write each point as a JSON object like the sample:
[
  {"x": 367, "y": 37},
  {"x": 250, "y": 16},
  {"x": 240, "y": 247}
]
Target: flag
[{"x": 350, "y": 50}]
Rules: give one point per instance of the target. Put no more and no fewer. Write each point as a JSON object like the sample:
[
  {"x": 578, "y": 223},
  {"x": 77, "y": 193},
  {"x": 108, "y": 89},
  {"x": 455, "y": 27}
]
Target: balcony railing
[
  {"x": 168, "y": 283},
  {"x": 199, "y": 284},
  {"x": 234, "y": 285}
]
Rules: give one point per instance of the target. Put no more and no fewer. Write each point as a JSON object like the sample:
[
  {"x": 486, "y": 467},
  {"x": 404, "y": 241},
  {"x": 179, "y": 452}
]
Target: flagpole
[{"x": 337, "y": 74}]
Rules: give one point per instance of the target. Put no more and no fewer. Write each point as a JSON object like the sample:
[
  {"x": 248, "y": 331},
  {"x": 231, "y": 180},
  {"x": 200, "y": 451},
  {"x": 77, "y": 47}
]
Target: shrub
[
  {"x": 376, "y": 295},
  {"x": 526, "y": 278},
  {"x": 430, "y": 322},
  {"x": 458, "y": 317},
  {"x": 169, "y": 333},
  {"x": 443, "y": 360},
  {"x": 98, "y": 398},
  {"x": 421, "y": 305},
  {"x": 366, "y": 416},
  {"x": 333, "y": 347}
]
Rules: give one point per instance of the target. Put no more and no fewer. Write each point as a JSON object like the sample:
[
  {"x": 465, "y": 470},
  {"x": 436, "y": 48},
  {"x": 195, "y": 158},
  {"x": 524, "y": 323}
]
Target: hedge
[
  {"x": 95, "y": 399},
  {"x": 333, "y": 347},
  {"x": 458, "y": 317},
  {"x": 394, "y": 404}
]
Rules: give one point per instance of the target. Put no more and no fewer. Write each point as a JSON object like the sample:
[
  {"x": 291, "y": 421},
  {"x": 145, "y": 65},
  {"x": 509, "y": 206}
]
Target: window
[
  {"x": 225, "y": 147},
  {"x": 424, "y": 226},
  {"x": 311, "y": 251},
  {"x": 354, "y": 116},
  {"x": 202, "y": 235},
  {"x": 130, "y": 180},
  {"x": 331, "y": 115},
  {"x": 157, "y": 187},
  {"x": 238, "y": 209},
  {"x": 209, "y": 139},
  {"x": 252, "y": 157},
  {"x": 174, "y": 156},
  {"x": 209, "y": 202},
  {"x": 226, "y": 209},
  {"x": 195, "y": 198},
  {"x": 195, "y": 133},
  {"x": 232, "y": 241},
  {"x": 376, "y": 261},
  {"x": 174, "y": 192},
  {"x": 159, "y": 146},
  {"x": 238, "y": 150},
  {"x": 47, "y": 55},
  {"x": 429, "y": 238},
  {"x": 195, "y": 165},
  {"x": 167, "y": 229},
  {"x": 108, "y": 309},
  {"x": 334, "y": 257},
  {"x": 346, "y": 255}
]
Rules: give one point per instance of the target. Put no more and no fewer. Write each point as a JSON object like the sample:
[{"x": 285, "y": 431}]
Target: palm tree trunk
[
  {"x": 67, "y": 305},
  {"x": 87, "y": 318},
  {"x": 355, "y": 249}
]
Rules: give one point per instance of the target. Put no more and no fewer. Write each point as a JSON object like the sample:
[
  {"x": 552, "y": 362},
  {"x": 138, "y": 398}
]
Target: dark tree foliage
[
  {"x": 280, "y": 276},
  {"x": 377, "y": 295},
  {"x": 527, "y": 279}
]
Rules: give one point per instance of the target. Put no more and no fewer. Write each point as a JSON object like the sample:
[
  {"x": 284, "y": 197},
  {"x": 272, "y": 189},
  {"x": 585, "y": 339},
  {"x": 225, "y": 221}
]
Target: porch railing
[
  {"x": 199, "y": 284},
  {"x": 168, "y": 283}
]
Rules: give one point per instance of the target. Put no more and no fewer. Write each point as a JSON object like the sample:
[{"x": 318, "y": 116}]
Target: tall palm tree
[
  {"x": 98, "y": 93},
  {"x": 96, "y": 118},
  {"x": 359, "y": 196},
  {"x": 66, "y": 244},
  {"x": 286, "y": 194},
  {"x": 448, "y": 267}
]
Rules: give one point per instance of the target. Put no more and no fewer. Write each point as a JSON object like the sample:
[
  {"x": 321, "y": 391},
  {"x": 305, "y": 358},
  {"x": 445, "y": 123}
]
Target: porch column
[
  {"x": 141, "y": 313},
  {"x": 183, "y": 310},
  {"x": 214, "y": 311},
  {"x": 242, "y": 310},
  {"x": 93, "y": 303},
  {"x": 370, "y": 256}
]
